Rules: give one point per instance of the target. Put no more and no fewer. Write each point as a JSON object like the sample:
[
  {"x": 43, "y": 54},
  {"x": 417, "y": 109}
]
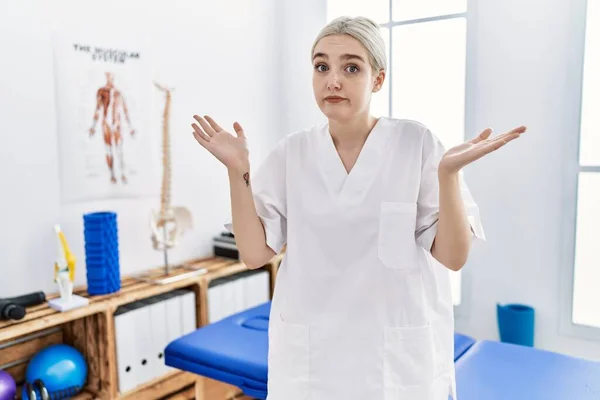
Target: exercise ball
[
  {"x": 61, "y": 367},
  {"x": 8, "y": 387}
]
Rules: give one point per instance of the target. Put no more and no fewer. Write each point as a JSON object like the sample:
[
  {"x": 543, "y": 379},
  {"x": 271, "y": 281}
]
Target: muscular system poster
[{"x": 104, "y": 102}]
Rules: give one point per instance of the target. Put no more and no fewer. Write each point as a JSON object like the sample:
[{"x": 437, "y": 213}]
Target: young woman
[{"x": 374, "y": 214}]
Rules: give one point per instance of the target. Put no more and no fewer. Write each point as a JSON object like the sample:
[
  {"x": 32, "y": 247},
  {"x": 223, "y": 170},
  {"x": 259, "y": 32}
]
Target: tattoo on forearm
[{"x": 247, "y": 179}]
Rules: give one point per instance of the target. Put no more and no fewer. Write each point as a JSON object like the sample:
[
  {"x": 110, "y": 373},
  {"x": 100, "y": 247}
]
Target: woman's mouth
[{"x": 334, "y": 99}]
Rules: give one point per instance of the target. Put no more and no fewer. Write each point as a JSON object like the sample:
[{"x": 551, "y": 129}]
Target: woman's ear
[{"x": 379, "y": 79}]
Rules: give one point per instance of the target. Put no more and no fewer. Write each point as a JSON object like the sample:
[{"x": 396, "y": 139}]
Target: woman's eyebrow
[
  {"x": 343, "y": 56},
  {"x": 351, "y": 56}
]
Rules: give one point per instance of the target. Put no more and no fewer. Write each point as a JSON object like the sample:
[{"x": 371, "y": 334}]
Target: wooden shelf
[
  {"x": 161, "y": 387},
  {"x": 91, "y": 330},
  {"x": 132, "y": 289},
  {"x": 83, "y": 396}
]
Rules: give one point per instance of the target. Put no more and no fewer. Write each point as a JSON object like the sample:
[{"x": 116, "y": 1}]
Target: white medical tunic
[{"x": 361, "y": 309}]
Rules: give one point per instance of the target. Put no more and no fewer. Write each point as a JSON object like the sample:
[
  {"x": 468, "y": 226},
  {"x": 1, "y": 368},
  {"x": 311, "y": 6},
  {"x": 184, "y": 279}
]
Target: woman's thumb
[{"x": 238, "y": 129}]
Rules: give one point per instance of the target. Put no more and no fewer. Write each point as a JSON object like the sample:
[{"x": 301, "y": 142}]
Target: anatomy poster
[{"x": 105, "y": 133}]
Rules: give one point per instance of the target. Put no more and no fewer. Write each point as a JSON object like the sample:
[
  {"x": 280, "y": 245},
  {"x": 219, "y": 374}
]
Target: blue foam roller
[
  {"x": 102, "y": 253},
  {"x": 100, "y": 216}
]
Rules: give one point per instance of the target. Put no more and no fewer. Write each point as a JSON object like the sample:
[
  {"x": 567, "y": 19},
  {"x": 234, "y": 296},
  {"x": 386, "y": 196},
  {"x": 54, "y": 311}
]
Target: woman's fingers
[
  {"x": 515, "y": 133},
  {"x": 482, "y": 136},
  {"x": 213, "y": 124},
  {"x": 209, "y": 128},
  {"x": 494, "y": 145},
  {"x": 238, "y": 129},
  {"x": 200, "y": 135},
  {"x": 205, "y": 126}
]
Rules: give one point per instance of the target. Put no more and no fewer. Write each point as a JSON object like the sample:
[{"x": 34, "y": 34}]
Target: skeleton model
[{"x": 170, "y": 222}]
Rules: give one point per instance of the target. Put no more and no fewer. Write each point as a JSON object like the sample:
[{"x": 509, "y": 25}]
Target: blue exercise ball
[{"x": 61, "y": 367}]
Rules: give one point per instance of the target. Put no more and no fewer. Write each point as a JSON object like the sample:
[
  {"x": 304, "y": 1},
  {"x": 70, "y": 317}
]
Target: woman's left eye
[{"x": 352, "y": 69}]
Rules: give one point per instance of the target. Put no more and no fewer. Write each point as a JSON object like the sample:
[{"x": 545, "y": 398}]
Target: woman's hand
[
  {"x": 231, "y": 150},
  {"x": 464, "y": 154}
]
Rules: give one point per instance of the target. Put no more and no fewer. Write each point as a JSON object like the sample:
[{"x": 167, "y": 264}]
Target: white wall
[
  {"x": 221, "y": 56},
  {"x": 301, "y": 21}
]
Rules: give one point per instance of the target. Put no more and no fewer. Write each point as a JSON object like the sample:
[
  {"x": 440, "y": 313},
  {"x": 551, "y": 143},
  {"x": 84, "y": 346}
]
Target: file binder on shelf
[
  {"x": 158, "y": 334},
  {"x": 189, "y": 322},
  {"x": 125, "y": 349},
  {"x": 143, "y": 330},
  {"x": 232, "y": 294}
]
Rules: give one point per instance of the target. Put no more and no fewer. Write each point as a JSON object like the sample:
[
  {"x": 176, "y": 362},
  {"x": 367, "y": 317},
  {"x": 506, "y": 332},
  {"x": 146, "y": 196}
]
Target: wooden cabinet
[{"x": 91, "y": 330}]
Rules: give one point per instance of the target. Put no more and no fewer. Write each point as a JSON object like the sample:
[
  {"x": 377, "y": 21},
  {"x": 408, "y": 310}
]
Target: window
[
  {"x": 426, "y": 48},
  {"x": 586, "y": 274}
]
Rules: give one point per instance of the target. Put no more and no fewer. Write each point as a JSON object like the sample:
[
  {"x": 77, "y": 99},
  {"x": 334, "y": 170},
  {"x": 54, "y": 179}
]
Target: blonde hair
[{"x": 363, "y": 29}]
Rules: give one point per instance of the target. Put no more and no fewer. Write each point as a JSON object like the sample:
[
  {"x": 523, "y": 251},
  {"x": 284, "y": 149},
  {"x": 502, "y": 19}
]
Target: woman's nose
[{"x": 333, "y": 84}]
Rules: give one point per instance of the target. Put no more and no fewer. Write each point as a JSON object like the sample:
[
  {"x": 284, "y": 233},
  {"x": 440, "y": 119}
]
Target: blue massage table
[
  {"x": 499, "y": 371},
  {"x": 234, "y": 350}
]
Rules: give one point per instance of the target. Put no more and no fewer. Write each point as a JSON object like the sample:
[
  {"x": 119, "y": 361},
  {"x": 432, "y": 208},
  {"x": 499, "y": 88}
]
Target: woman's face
[{"x": 343, "y": 78}]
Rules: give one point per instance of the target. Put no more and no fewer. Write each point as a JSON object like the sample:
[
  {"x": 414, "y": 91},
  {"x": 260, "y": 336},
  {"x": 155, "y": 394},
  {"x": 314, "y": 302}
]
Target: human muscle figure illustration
[{"x": 110, "y": 101}]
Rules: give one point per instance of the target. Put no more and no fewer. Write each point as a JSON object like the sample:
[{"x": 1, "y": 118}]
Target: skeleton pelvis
[{"x": 167, "y": 227}]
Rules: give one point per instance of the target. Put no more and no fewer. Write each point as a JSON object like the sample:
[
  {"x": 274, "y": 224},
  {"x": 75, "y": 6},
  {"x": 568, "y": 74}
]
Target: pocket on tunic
[
  {"x": 409, "y": 363},
  {"x": 396, "y": 244},
  {"x": 288, "y": 369}
]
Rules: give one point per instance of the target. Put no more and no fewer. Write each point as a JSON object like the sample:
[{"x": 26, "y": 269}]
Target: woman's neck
[{"x": 353, "y": 133}]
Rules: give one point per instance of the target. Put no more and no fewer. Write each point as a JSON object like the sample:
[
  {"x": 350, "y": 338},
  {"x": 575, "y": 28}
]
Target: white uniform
[{"x": 361, "y": 310}]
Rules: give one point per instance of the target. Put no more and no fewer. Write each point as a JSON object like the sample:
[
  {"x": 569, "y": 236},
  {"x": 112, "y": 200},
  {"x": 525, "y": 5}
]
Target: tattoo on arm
[{"x": 247, "y": 179}]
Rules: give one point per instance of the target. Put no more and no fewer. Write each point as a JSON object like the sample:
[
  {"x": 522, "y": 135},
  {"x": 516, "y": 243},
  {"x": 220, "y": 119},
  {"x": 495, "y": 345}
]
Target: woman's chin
[{"x": 336, "y": 114}]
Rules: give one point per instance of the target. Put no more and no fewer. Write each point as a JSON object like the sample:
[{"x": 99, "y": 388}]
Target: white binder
[
  {"x": 257, "y": 289},
  {"x": 173, "y": 310},
  {"x": 143, "y": 342},
  {"x": 214, "y": 301},
  {"x": 263, "y": 287},
  {"x": 238, "y": 294},
  {"x": 158, "y": 334},
  {"x": 249, "y": 291},
  {"x": 227, "y": 298},
  {"x": 217, "y": 299},
  {"x": 188, "y": 311},
  {"x": 126, "y": 349}
]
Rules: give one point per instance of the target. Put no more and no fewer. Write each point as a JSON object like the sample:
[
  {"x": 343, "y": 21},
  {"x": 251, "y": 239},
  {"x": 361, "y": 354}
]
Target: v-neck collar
[{"x": 348, "y": 187}]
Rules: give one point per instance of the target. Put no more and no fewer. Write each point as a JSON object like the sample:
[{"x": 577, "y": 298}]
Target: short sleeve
[
  {"x": 428, "y": 207},
  {"x": 269, "y": 192}
]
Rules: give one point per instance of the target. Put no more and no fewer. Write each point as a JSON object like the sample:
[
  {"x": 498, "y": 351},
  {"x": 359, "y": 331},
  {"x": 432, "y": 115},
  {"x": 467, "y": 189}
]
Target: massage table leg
[{"x": 199, "y": 389}]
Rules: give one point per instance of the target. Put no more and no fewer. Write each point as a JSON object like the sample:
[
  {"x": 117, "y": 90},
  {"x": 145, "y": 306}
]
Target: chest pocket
[{"x": 396, "y": 244}]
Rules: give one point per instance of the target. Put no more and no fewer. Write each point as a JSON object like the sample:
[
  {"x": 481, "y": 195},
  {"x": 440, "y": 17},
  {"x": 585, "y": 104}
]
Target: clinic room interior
[{"x": 424, "y": 229}]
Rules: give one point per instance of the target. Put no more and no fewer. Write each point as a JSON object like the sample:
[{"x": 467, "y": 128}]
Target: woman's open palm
[
  {"x": 459, "y": 156},
  {"x": 231, "y": 150}
]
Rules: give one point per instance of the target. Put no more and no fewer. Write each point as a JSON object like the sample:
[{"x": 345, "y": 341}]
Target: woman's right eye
[{"x": 319, "y": 69}]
